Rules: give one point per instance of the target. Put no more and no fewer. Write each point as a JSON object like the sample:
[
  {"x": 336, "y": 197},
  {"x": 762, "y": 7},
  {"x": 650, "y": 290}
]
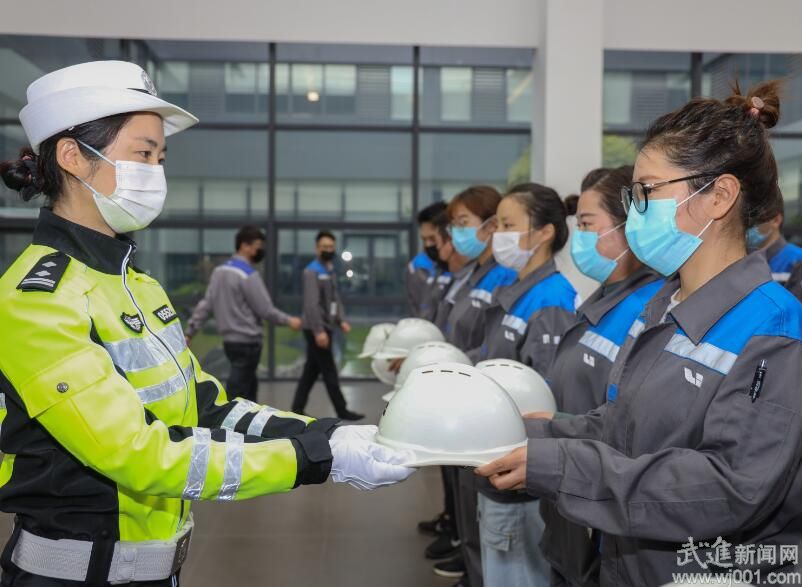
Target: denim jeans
[{"x": 510, "y": 534}]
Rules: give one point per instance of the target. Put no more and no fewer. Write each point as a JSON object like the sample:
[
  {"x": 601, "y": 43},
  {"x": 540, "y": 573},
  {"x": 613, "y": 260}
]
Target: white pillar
[
  {"x": 567, "y": 121},
  {"x": 568, "y": 69}
]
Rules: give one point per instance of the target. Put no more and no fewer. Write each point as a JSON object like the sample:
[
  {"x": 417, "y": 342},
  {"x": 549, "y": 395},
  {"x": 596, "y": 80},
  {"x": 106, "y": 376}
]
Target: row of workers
[{"x": 677, "y": 381}]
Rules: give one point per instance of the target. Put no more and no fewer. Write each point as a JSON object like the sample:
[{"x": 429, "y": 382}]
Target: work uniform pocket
[{"x": 499, "y": 524}]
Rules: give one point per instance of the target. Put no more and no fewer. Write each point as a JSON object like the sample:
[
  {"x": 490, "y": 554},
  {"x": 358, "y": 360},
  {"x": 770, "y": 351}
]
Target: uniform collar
[
  {"x": 775, "y": 247},
  {"x": 598, "y": 304},
  {"x": 239, "y": 257},
  {"x": 481, "y": 271},
  {"x": 509, "y": 295},
  {"x": 707, "y": 305},
  {"x": 96, "y": 250}
]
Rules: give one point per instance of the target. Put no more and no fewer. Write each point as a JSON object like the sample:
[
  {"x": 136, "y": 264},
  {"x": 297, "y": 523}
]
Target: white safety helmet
[
  {"x": 428, "y": 353},
  {"x": 381, "y": 369},
  {"x": 452, "y": 414},
  {"x": 408, "y": 333},
  {"x": 526, "y": 387},
  {"x": 375, "y": 339},
  {"x": 90, "y": 91}
]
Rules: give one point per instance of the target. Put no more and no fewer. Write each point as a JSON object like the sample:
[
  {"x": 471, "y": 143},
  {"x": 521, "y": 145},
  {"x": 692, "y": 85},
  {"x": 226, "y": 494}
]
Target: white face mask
[
  {"x": 508, "y": 252},
  {"x": 138, "y": 199}
]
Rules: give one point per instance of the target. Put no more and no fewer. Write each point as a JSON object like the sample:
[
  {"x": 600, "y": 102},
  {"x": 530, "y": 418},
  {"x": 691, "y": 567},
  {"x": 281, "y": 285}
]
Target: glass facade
[
  {"x": 639, "y": 86},
  {"x": 295, "y": 138}
]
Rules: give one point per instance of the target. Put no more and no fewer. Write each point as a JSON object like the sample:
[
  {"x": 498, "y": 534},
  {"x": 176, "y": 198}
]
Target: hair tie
[{"x": 757, "y": 105}]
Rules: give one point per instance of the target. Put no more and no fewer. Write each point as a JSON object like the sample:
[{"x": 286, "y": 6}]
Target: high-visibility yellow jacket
[{"x": 109, "y": 425}]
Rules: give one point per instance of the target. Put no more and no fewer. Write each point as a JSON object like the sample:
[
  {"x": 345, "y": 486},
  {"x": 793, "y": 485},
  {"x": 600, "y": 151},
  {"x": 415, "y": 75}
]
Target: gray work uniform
[
  {"x": 438, "y": 286},
  {"x": 239, "y": 299},
  {"x": 465, "y": 328},
  {"x": 456, "y": 290},
  {"x": 322, "y": 308},
  {"x": 578, "y": 379},
  {"x": 680, "y": 449},
  {"x": 417, "y": 282},
  {"x": 529, "y": 319},
  {"x": 785, "y": 261}
]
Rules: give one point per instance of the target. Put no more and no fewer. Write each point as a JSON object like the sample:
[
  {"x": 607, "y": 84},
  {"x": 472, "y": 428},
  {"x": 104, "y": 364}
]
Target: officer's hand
[
  {"x": 294, "y": 323},
  {"x": 508, "y": 472},
  {"x": 539, "y": 416},
  {"x": 362, "y": 463},
  {"x": 395, "y": 365},
  {"x": 346, "y": 328},
  {"x": 322, "y": 340}
]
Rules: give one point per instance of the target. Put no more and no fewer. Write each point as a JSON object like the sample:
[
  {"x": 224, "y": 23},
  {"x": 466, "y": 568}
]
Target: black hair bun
[{"x": 23, "y": 175}]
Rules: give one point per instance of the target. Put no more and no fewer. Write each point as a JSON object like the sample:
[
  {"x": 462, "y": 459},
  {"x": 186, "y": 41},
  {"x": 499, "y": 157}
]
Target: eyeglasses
[{"x": 638, "y": 192}]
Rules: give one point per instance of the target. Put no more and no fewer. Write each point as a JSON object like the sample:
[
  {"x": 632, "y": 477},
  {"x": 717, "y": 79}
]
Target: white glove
[{"x": 362, "y": 463}]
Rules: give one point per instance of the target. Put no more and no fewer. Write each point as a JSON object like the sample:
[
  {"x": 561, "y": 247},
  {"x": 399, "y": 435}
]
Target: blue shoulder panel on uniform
[
  {"x": 554, "y": 291},
  {"x": 317, "y": 267},
  {"x": 770, "y": 310},
  {"x": 785, "y": 260},
  {"x": 617, "y": 322},
  {"x": 241, "y": 265},
  {"x": 498, "y": 276},
  {"x": 422, "y": 261}
]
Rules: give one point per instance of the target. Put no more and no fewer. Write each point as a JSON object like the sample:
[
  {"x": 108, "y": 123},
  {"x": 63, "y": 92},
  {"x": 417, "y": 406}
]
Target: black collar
[
  {"x": 96, "y": 250},
  {"x": 598, "y": 304}
]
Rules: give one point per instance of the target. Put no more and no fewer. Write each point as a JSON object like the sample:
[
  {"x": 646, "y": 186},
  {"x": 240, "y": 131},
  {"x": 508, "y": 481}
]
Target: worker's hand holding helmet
[{"x": 364, "y": 464}]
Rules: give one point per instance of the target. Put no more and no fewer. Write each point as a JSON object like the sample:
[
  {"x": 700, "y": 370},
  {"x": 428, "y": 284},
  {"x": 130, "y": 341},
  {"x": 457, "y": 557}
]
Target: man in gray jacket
[
  {"x": 323, "y": 312},
  {"x": 239, "y": 299}
]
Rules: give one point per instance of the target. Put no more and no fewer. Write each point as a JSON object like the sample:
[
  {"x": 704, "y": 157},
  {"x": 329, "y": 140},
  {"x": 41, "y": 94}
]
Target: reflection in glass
[
  {"x": 343, "y": 176},
  {"x": 450, "y": 163}
]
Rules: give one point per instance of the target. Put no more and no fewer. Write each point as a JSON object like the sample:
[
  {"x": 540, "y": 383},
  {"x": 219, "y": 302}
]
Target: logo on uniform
[
  {"x": 150, "y": 87},
  {"x": 133, "y": 322},
  {"x": 509, "y": 335},
  {"x": 166, "y": 314},
  {"x": 694, "y": 378},
  {"x": 589, "y": 359}
]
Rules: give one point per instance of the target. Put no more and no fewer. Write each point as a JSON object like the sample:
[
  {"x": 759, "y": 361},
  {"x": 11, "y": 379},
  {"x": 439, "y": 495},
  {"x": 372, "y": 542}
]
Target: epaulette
[{"x": 46, "y": 274}]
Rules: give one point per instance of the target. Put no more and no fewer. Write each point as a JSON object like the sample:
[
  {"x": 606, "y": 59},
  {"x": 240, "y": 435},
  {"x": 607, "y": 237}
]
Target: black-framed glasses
[{"x": 638, "y": 192}]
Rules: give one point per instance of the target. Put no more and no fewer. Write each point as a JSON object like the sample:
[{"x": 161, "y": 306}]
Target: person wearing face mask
[
  {"x": 473, "y": 222},
  {"x": 531, "y": 229},
  {"x": 447, "y": 263},
  {"x": 700, "y": 435},
  {"x": 240, "y": 302},
  {"x": 421, "y": 270},
  {"x": 323, "y": 313},
  {"x": 785, "y": 259},
  {"x": 110, "y": 427},
  {"x": 587, "y": 351},
  {"x": 530, "y": 316}
]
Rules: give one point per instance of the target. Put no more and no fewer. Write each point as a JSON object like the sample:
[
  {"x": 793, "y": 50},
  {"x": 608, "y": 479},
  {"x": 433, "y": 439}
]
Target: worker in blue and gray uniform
[
  {"x": 472, "y": 222},
  {"x": 448, "y": 261},
  {"x": 785, "y": 259},
  {"x": 531, "y": 229},
  {"x": 468, "y": 213},
  {"x": 422, "y": 268},
  {"x": 698, "y": 447},
  {"x": 586, "y": 353},
  {"x": 240, "y": 302},
  {"x": 322, "y": 314},
  {"x": 530, "y": 316}
]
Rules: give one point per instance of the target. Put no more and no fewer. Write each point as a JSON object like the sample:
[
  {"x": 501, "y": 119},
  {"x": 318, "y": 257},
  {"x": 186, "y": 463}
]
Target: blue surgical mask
[
  {"x": 466, "y": 242},
  {"x": 588, "y": 259},
  {"x": 655, "y": 239},
  {"x": 755, "y": 238}
]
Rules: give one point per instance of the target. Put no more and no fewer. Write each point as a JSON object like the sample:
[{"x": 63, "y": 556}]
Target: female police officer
[
  {"x": 110, "y": 427},
  {"x": 582, "y": 363},
  {"x": 701, "y": 434}
]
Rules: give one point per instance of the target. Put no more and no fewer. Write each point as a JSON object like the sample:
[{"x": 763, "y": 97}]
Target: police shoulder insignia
[
  {"x": 166, "y": 314},
  {"x": 133, "y": 322},
  {"x": 46, "y": 274}
]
